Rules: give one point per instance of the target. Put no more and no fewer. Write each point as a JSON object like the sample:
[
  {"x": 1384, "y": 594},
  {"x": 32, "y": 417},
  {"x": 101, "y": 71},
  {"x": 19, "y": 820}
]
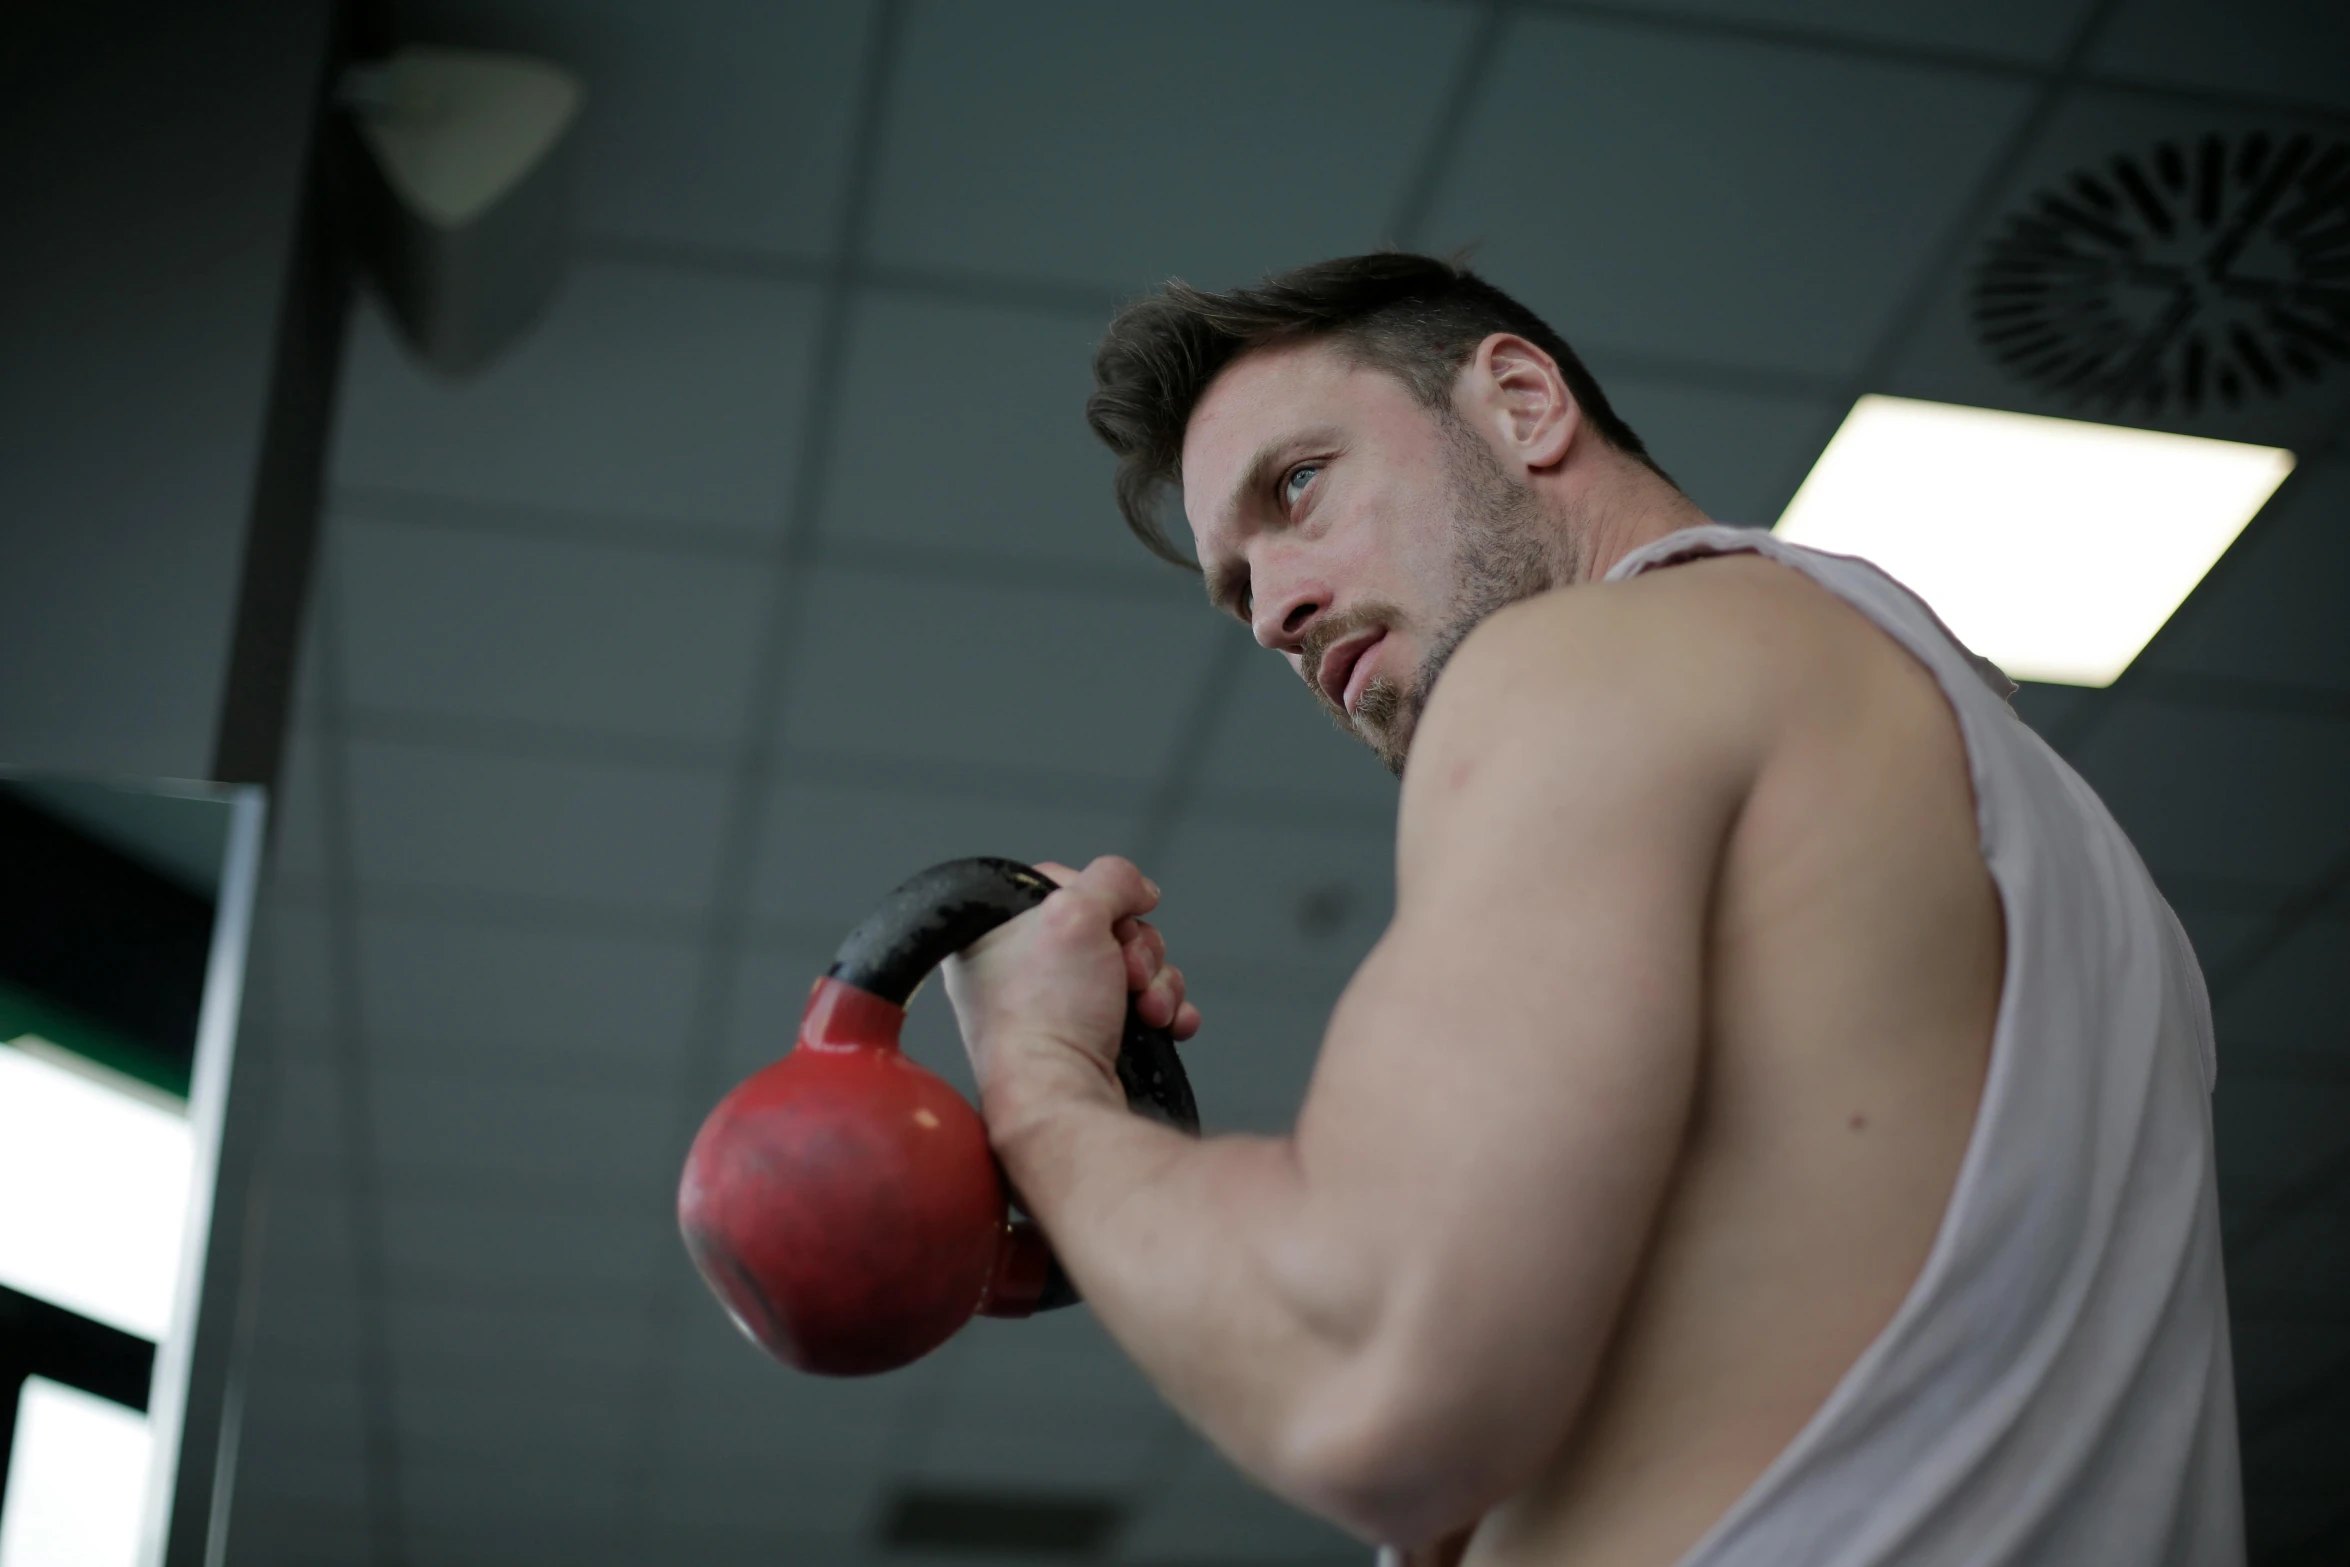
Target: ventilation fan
[{"x": 2177, "y": 277}]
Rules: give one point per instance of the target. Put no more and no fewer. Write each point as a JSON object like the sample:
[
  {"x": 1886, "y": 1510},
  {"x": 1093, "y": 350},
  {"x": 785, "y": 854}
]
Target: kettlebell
[{"x": 843, "y": 1202}]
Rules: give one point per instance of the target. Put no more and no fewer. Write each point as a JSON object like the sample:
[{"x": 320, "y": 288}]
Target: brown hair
[{"x": 1416, "y": 317}]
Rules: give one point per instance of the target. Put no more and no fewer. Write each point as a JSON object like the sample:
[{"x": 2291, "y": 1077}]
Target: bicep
[{"x": 1505, "y": 1086}]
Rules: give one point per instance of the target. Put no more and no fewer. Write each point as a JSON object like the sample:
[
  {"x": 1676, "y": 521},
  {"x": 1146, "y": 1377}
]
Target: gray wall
[{"x": 152, "y": 161}]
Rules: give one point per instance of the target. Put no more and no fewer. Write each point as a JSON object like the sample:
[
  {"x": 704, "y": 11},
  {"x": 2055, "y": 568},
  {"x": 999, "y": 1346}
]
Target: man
[{"x": 1774, "y": 1127}]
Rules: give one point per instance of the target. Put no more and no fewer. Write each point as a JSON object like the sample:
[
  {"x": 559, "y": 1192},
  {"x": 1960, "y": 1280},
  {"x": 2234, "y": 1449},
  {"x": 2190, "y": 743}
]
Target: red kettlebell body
[{"x": 843, "y": 1202}]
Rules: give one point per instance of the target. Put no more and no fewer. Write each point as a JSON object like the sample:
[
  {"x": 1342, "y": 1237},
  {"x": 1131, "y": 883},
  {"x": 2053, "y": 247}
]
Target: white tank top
[{"x": 2056, "y": 1389}]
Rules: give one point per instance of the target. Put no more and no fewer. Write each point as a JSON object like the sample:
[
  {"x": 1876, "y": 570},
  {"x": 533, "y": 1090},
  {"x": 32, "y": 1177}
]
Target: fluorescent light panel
[
  {"x": 77, "y": 1480},
  {"x": 2053, "y": 547},
  {"x": 93, "y": 1192}
]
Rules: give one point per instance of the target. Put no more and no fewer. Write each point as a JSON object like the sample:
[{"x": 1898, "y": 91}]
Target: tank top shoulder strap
[{"x": 1903, "y": 615}]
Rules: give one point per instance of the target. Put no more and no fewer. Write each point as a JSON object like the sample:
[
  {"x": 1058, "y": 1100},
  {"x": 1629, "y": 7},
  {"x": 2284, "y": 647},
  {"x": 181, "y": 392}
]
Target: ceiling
[{"x": 778, "y": 563}]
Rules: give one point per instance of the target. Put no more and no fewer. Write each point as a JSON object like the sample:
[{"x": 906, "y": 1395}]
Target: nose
[{"x": 1282, "y": 615}]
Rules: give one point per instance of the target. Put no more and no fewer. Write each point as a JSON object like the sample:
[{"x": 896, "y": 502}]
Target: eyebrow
[
  {"x": 1263, "y": 468},
  {"x": 1272, "y": 457}
]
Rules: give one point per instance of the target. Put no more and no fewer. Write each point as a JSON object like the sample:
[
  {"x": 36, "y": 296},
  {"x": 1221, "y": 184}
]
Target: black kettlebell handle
[{"x": 935, "y": 914}]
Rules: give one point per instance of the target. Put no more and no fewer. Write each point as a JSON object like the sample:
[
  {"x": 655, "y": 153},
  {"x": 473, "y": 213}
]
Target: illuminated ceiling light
[
  {"x": 77, "y": 1480},
  {"x": 2053, "y": 547},
  {"x": 93, "y": 1189}
]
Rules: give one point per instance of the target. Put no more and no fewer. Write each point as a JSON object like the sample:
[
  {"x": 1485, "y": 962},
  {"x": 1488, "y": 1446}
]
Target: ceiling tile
[
  {"x": 435, "y": 1338},
  {"x": 2275, "y": 612},
  {"x": 733, "y": 1408},
  {"x": 518, "y": 1457},
  {"x": 1737, "y": 454},
  {"x": 1040, "y": 1443},
  {"x": 2274, "y": 1134},
  {"x": 833, "y": 1497},
  {"x": 708, "y": 122},
  {"x": 292, "y": 1474},
  {"x": 546, "y": 632},
  {"x": 2274, "y": 1358},
  {"x": 993, "y": 675},
  {"x": 828, "y": 855},
  {"x": 1254, "y": 1054},
  {"x": 308, "y": 1400},
  {"x": 309, "y": 1227},
  {"x": 1275, "y": 895},
  {"x": 305, "y": 1104},
  {"x": 2307, "y": 1255},
  {"x": 2298, "y": 996},
  {"x": 1715, "y": 200},
  {"x": 1063, "y": 1357},
  {"x": 297, "y": 827},
  {"x": 1115, "y": 145},
  {"x": 306, "y": 1321},
  {"x": 2294, "y": 49},
  {"x": 605, "y": 834},
  {"x": 580, "y": 1537},
  {"x": 335, "y": 1440},
  {"x": 770, "y": 991},
  {"x": 580, "y": 1251},
  {"x": 2282, "y": 1520},
  {"x": 2217, "y": 934},
  {"x": 647, "y": 394},
  {"x": 1208, "y": 1512},
  {"x": 446, "y": 992},
  {"x": 290, "y": 985},
  {"x": 1273, "y": 742},
  {"x": 1000, "y": 462},
  {"x": 2030, "y": 32},
  {"x": 1943, "y": 360},
  {"x": 2254, "y": 796},
  {"x": 268, "y": 1536},
  {"x": 507, "y": 1127}
]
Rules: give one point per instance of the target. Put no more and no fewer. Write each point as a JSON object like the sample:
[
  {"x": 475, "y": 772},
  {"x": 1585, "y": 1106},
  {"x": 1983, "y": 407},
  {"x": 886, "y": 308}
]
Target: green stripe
[{"x": 22, "y": 1012}]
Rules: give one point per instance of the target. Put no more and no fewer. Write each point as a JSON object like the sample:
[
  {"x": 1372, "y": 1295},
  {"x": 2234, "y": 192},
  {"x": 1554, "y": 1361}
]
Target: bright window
[
  {"x": 77, "y": 1479},
  {"x": 93, "y": 1190},
  {"x": 2052, "y": 547}
]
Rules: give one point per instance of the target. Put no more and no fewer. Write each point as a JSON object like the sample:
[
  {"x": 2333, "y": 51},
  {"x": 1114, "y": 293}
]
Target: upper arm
[{"x": 1505, "y": 1086}]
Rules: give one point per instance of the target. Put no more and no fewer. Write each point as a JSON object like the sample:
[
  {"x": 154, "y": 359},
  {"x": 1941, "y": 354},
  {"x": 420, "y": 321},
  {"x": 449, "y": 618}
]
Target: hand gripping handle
[{"x": 938, "y": 912}]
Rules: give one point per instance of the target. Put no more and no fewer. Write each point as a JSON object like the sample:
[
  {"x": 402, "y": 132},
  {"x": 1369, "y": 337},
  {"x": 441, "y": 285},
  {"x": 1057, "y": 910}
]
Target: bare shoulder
[{"x": 1683, "y": 656}]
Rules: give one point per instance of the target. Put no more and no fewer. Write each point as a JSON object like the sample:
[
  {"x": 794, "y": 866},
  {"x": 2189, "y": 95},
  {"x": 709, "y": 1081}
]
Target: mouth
[{"x": 1346, "y": 668}]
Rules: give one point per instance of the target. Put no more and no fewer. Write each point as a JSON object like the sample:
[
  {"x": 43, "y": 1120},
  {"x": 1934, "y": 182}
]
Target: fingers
[
  {"x": 1124, "y": 889},
  {"x": 1145, "y": 948},
  {"x": 1111, "y": 886}
]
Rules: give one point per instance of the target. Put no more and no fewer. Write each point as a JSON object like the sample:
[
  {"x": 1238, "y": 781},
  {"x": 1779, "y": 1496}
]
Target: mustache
[{"x": 1334, "y": 628}]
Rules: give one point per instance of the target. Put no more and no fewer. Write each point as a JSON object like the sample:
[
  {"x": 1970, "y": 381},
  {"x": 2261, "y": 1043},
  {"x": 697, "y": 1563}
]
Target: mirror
[{"x": 124, "y": 915}]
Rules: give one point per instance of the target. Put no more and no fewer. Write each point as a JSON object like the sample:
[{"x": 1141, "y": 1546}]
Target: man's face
[{"x": 1361, "y": 534}]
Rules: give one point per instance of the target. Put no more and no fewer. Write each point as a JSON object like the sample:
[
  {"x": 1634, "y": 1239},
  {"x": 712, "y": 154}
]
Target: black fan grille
[{"x": 2217, "y": 271}]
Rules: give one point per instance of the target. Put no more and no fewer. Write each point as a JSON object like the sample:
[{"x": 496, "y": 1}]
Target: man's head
[{"x": 1374, "y": 454}]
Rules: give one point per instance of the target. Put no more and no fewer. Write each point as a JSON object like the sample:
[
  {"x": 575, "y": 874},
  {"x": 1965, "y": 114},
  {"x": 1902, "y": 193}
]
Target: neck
[{"x": 1625, "y": 506}]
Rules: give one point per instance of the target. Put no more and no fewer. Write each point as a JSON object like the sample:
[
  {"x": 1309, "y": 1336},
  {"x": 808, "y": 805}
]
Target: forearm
[{"x": 1202, "y": 1259}]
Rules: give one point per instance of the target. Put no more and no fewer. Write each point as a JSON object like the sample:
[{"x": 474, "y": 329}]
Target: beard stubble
[{"x": 1502, "y": 552}]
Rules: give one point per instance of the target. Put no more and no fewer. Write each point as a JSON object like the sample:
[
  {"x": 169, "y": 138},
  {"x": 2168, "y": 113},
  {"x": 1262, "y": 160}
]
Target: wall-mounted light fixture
[
  {"x": 464, "y": 220},
  {"x": 2053, "y": 547}
]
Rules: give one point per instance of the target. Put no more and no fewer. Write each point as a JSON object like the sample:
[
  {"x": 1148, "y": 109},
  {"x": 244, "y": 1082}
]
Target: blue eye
[{"x": 1295, "y": 483}]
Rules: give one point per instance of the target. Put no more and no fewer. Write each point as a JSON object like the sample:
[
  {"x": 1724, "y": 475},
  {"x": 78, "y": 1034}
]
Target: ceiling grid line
[
  {"x": 989, "y": 291},
  {"x": 702, "y": 1058},
  {"x": 911, "y": 560},
  {"x": 1817, "y": 40},
  {"x": 1172, "y": 797},
  {"x": 2096, "y": 706},
  {"x": 379, "y": 1435},
  {"x": 1177, "y": 793},
  {"x": 1917, "y": 302}
]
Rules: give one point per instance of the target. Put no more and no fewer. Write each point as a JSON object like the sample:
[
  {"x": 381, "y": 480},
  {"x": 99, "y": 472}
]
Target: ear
[{"x": 1515, "y": 389}]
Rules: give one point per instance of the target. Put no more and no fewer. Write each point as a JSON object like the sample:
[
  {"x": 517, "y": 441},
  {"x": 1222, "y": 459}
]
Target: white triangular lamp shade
[{"x": 466, "y": 235}]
